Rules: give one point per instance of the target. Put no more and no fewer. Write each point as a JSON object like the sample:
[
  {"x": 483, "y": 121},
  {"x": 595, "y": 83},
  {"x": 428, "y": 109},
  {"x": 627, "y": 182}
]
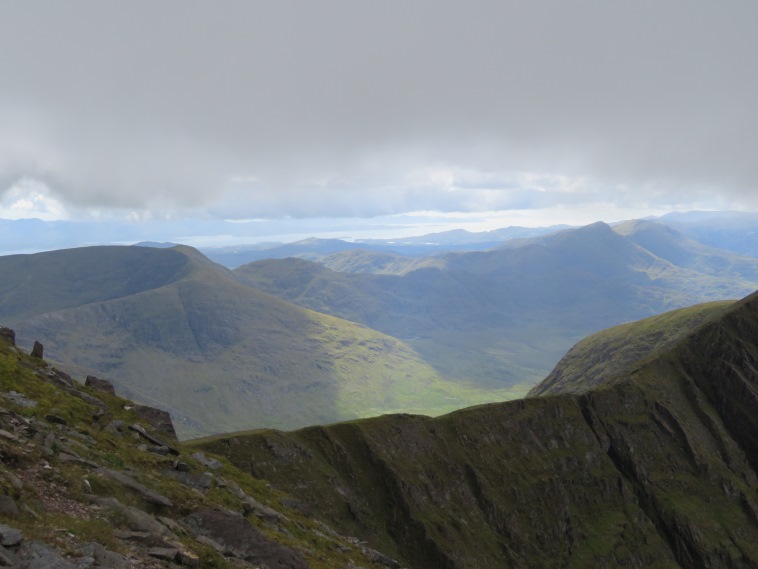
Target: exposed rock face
[
  {"x": 240, "y": 539},
  {"x": 159, "y": 419},
  {"x": 37, "y": 350},
  {"x": 100, "y": 384},
  {"x": 98, "y": 496},
  {"x": 656, "y": 469},
  {"x": 8, "y": 335}
]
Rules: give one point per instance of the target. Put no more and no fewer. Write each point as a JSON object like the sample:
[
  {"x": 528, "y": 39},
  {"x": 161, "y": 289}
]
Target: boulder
[
  {"x": 37, "y": 350},
  {"x": 36, "y": 555},
  {"x": 148, "y": 495},
  {"x": 240, "y": 539},
  {"x": 100, "y": 384},
  {"x": 103, "y": 557},
  {"x": 158, "y": 419},
  {"x": 8, "y": 507},
  {"x": 136, "y": 519},
  {"x": 152, "y": 438},
  {"x": 10, "y": 536},
  {"x": 8, "y": 335}
]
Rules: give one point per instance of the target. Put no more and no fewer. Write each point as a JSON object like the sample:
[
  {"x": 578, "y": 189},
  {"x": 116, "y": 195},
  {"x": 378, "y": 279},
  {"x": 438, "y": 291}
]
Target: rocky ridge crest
[{"x": 88, "y": 480}]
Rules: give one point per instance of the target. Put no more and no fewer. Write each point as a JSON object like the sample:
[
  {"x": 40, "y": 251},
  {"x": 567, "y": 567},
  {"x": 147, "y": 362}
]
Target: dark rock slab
[
  {"x": 205, "y": 461},
  {"x": 8, "y": 558},
  {"x": 152, "y": 438},
  {"x": 10, "y": 536},
  {"x": 103, "y": 557},
  {"x": 8, "y": 335},
  {"x": 65, "y": 457},
  {"x": 37, "y": 350},
  {"x": 57, "y": 377},
  {"x": 8, "y": 507},
  {"x": 55, "y": 419},
  {"x": 148, "y": 495},
  {"x": 136, "y": 519},
  {"x": 36, "y": 555},
  {"x": 158, "y": 419},
  {"x": 100, "y": 384},
  {"x": 165, "y": 553},
  {"x": 240, "y": 539},
  {"x": 201, "y": 482},
  {"x": 19, "y": 399}
]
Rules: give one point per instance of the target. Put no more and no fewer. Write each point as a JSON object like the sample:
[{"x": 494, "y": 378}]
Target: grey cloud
[{"x": 330, "y": 105}]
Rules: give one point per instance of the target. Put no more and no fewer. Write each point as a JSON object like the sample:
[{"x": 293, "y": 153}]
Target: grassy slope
[
  {"x": 657, "y": 469},
  {"x": 604, "y": 355},
  {"x": 34, "y": 284},
  {"x": 674, "y": 247},
  {"x": 377, "y": 263},
  {"x": 223, "y": 356},
  {"x": 74, "y": 520},
  {"x": 503, "y": 318}
]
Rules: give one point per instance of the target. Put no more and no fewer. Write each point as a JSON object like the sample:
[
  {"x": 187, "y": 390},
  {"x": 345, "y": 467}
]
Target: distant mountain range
[
  {"x": 504, "y": 317},
  {"x": 314, "y": 249},
  {"x": 651, "y": 464},
  {"x": 290, "y": 342},
  {"x": 172, "y": 328}
]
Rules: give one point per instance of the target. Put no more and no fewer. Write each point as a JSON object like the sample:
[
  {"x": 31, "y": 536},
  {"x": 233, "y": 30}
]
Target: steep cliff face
[{"x": 655, "y": 467}]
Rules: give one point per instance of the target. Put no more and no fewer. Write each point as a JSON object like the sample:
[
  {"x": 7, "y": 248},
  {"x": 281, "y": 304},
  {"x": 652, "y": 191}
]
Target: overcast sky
[{"x": 543, "y": 111}]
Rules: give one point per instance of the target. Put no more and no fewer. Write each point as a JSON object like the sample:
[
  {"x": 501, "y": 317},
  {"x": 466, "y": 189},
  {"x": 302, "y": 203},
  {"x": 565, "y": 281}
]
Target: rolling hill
[
  {"x": 655, "y": 466},
  {"x": 172, "y": 328},
  {"x": 504, "y": 317}
]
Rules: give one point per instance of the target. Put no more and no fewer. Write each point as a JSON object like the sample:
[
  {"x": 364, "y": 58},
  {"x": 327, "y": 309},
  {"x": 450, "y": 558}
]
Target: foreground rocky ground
[{"x": 88, "y": 480}]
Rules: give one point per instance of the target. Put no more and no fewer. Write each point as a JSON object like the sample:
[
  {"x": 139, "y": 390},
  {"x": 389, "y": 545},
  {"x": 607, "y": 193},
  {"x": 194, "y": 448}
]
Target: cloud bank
[{"x": 343, "y": 108}]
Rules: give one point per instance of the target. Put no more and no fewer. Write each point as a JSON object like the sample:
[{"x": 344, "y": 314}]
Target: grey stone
[
  {"x": 198, "y": 481},
  {"x": 165, "y": 553},
  {"x": 116, "y": 427},
  {"x": 8, "y": 558},
  {"x": 158, "y": 419},
  {"x": 152, "y": 438},
  {"x": 240, "y": 539},
  {"x": 37, "y": 350},
  {"x": 10, "y": 536},
  {"x": 100, "y": 384},
  {"x": 13, "y": 479},
  {"x": 36, "y": 555},
  {"x": 379, "y": 558},
  {"x": 103, "y": 557},
  {"x": 59, "y": 377},
  {"x": 205, "y": 461},
  {"x": 49, "y": 441},
  {"x": 55, "y": 419},
  {"x": 187, "y": 558},
  {"x": 70, "y": 459},
  {"x": 8, "y": 335},
  {"x": 8, "y": 507},
  {"x": 19, "y": 399},
  {"x": 87, "y": 398},
  {"x": 135, "y": 518},
  {"x": 148, "y": 495}
]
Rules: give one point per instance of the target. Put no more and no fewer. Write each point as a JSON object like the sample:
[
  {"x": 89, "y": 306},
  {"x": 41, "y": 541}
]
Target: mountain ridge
[
  {"x": 222, "y": 355},
  {"x": 655, "y": 469},
  {"x": 508, "y": 314}
]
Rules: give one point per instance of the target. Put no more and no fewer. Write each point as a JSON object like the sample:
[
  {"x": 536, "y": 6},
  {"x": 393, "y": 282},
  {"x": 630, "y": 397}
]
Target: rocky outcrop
[
  {"x": 657, "y": 468},
  {"x": 7, "y": 335},
  {"x": 239, "y": 539},
  {"x": 158, "y": 419},
  {"x": 37, "y": 350},
  {"x": 100, "y": 384},
  {"x": 86, "y": 482}
]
